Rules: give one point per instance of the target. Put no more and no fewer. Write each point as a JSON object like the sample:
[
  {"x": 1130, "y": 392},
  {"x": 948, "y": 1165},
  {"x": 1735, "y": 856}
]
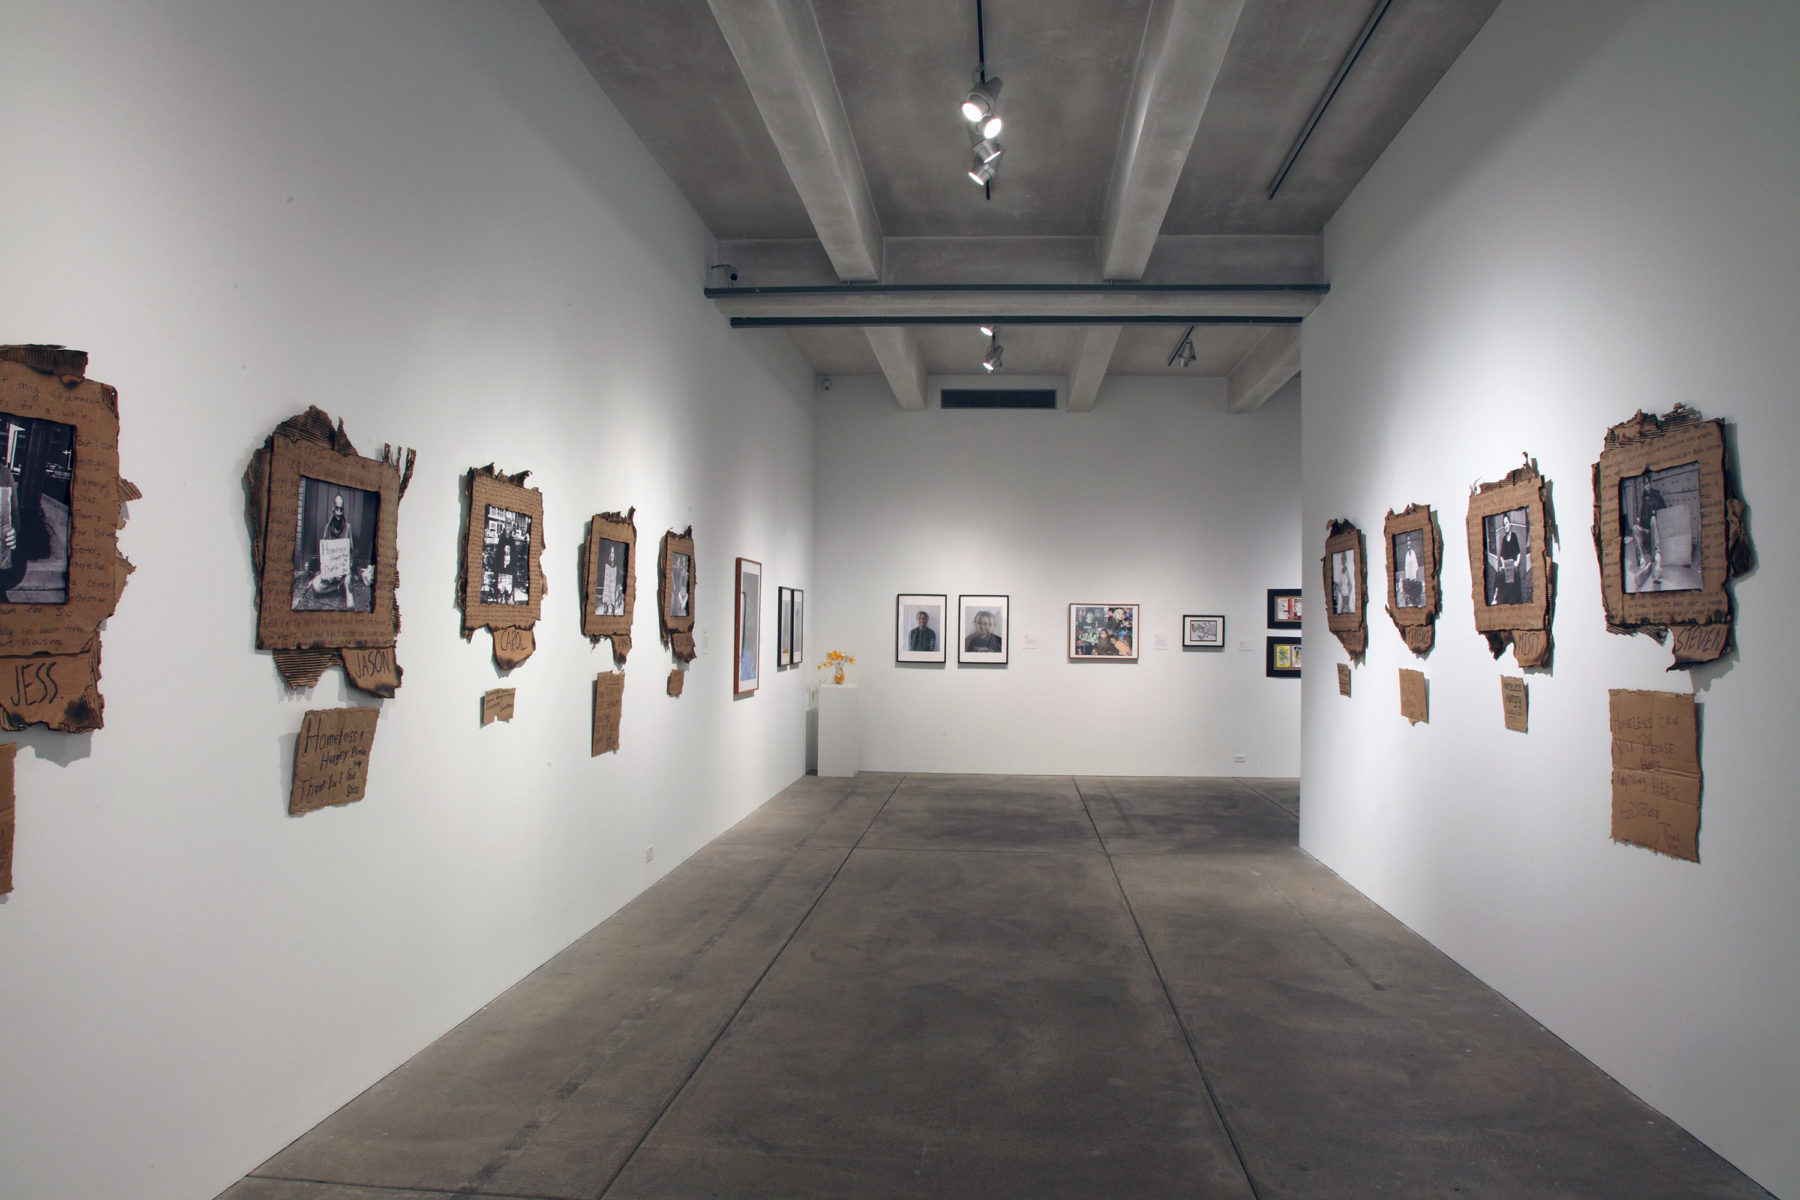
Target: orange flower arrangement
[{"x": 836, "y": 660}]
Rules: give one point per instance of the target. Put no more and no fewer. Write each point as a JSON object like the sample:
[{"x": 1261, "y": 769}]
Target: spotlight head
[
  {"x": 989, "y": 150},
  {"x": 990, "y": 128},
  {"x": 982, "y": 101},
  {"x": 1186, "y": 354},
  {"x": 987, "y": 330},
  {"x": 991, "y": 361},
  {"x": 981, "y": 172}
]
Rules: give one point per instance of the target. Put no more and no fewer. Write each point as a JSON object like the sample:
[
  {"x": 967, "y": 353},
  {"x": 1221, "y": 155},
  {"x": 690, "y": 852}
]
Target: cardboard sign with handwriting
[
  {"x": 374, "y": 671},
  {"x": 609, "y": 702},
  {"x": 8, "y": 752},
  {"x": 1343, "y": 679},
  {"x": 331, "y": 758},
  {"x": 1515, "y": 702},
  {"x": 497, "y": 705},
  {"x": 677, "y": 678},
  {"x": 1656, "y": 772},
  {"x": 1414, "y": 701}
]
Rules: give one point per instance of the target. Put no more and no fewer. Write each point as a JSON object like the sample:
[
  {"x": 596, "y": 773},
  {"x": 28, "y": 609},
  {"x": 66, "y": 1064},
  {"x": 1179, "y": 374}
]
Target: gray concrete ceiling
[{"x": 820, "y": 142}]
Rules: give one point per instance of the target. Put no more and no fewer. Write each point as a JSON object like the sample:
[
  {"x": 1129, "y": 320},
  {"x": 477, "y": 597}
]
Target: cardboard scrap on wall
[
  {"x": 1656, "y": 772},
  {"x": 8, "y": 753},
  {"x": 1514, "y": 597},
  {"x": 1515, "y": 702},
  {"x": 62, "y": 507},
  {"x": 677, "y": 678},
  {"x": 1414, "y": 698},
  {"x": 1343, "y": 679},
  {"x": 609, "y": 703},
  {"x": 497, "y": 705},
  {"x": 331, "y": 758}
]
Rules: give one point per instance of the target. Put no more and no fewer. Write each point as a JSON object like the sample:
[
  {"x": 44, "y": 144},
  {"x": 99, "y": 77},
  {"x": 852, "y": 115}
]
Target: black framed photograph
[
  {"x": 984, "y": 629},
  {"x": 919, "y": 627},
  {"x": 1202, "y": 632},
  {"x": 1103, "y": 631},
  {"x": 1282, "y": 659},
  {"x": 1284, "y": 608},
  {"x": 747, "y": 628},
  {"x": 799, "y": 647},
  {"x": 784, "y": 627}
]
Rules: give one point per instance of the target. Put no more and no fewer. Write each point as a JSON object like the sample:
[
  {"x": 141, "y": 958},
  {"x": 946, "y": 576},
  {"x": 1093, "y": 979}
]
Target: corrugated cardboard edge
[
  {"x": 1525, "y": 627},
  {"x": 54, "y": 650},
  {"x": 484, "y": 486},
  {"x": 1703, "y": 621},
  {"x": 8, "y": 813},
  {"x": 677, "y": 632},
  {"x": 619, "y": 527},
  {"x": 1418, "y": 626},
  {"x": 1352, "y": 629}
]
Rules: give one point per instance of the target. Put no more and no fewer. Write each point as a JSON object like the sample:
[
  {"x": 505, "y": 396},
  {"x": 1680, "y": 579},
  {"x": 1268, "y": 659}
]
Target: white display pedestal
[{"x": 840, "y": 730}]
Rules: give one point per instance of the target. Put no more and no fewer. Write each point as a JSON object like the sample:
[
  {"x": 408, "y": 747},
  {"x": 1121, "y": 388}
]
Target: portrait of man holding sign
[{"x": 334, "y": 548}]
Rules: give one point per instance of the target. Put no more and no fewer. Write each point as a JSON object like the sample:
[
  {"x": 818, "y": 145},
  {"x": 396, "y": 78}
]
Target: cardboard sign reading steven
[
  {"x": 331, "y": 758},
  {"x": 1669, "y": 531},
  {"x": 1347, "y": 587},
  {"x": 609, "y": 585},
  {"x": 1512, "y": 578},
  {"x": 1656, "y": 772},
  {"x": 62, "y": 505},
  {"x": 1415, "y": 551},
  {"x": 677, "y": 573},
  {"x": 503, "y": 562},
  {"x": 324, "y": 522}
]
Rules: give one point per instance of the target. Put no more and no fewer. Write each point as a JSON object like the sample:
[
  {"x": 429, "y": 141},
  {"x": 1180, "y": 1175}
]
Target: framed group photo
[
  {"x": 984, "y": 630},
  {"x": 919, "y": 627},
  {"x": 1103, "y": 631},
  {"x": 1202, "y": 632}
]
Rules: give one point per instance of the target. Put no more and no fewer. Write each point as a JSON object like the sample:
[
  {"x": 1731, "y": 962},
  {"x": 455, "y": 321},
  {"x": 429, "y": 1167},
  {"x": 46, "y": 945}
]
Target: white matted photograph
[
  {"x": 919, "y": 627},
  {"x": 983, "y": 629},
  {"x": 1202, "y": 632}
]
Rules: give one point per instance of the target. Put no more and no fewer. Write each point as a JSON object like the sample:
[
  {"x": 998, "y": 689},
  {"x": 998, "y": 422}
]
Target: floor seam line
[
  {"x": 1187, "y": 1037},
  {"x": 726, "y": 1024},
  {"x": 426, "y": 1189}
]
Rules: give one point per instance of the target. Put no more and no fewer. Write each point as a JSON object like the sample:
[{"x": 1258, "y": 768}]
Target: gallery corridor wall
[
  {"x": 1159, "y": 497},
  {"x": 1592, "y": 214},
  {"x": 426, "y": 219}
]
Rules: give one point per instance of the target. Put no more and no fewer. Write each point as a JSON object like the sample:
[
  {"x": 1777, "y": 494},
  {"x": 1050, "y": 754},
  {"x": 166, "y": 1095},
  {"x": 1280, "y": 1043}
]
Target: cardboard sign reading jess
[
  {"x": 1511, "y": 576},
  {"x": 497, "y": 705},
  {"x": 331, "y": 758},
  {"x": 609, "y": 703},
  {"x": 1415, "y": 550},
  {"x": 1343, "y": 679},
  {"x": 61, "y": 573},
  {"x": 1656, "y": 772},
  {"x": 502, "y": 585},
  {"x": 1347, "y": 587},
  {"x": 1515, "y": 702},
  {"x": 8, "y": 752},
  {"x": 1414, "y": 700},
  {"x": 609, "y": 580}
]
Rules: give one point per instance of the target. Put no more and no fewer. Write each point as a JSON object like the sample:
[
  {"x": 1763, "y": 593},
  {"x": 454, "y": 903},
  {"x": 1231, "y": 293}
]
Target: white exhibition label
[
  {"x": 1162, "y": 641},
  {"x": 1028, "y": 641}
]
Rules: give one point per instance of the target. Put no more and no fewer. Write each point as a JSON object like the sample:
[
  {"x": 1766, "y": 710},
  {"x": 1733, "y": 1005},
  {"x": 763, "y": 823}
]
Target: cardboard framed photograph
[
  {"x": 61, "y": 501},
  {"x": 678, "y": 578},
  {"x": 746, "y": 637},
  {"x": 609, "y": 584},
  {"x": 1511, "y": 575},
  {"x": 1281, "y": 658},
  {"x": 503, "y": 562},
  {"x": 919, "y": 627},
  {"x": 1202, "y": 633},
  {"x": 1415, "y": 553},
  {"x": 984, "y": 630},
  {"x": 1103, "y": 632},
  {"x": 1347, "y": 587},
  {"x": 1284, "y": 608},
  {"x": 1669, "y": 532},
  {"x": 784, "y": 627}
]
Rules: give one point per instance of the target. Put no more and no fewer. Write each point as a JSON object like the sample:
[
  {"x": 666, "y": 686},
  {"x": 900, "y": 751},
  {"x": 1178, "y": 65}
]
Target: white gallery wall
[
  {"x": 1593, "y": 213},
  {"x": 425, "y": 218},
  {"x": 1158, "y": 497}
]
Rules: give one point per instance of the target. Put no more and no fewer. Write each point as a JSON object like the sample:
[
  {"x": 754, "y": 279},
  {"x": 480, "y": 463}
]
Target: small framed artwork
[
  {"x": 1284, "y": 608},
  {"x": 1103, "y": 631},
  {"x": 678, "y": 579},
  {"x": 746, "y": 637},
  {"x": 799, "y": 647},
  {"x": 984, "y": 629},
  {"x": 784, "y": 628},
  {"x": 503, "y": 562},
  {"x": 919, "y": 627},
  {"x": 1283, "y": 658},
  {"x": 1202, "y": 633},
  {"x": 1415, "y": 549},
  {"x": 1347, "y": 587},
  {"x": 610, "y": 562},
  {"x": 1512, "y": 576}
]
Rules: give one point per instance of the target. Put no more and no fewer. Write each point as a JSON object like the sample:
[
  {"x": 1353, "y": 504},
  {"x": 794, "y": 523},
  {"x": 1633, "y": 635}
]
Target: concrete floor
[{"x": 994, "y": 986}]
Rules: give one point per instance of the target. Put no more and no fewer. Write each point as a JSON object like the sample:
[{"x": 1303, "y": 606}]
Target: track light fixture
[
  {"x": 988, "y": 150},
  {"x": 1184, "y": 350},
  {"x": 981, "y": 172},
  {"x": 981, "y": 109},
  {"x": 987, "y": 330},
  {"x": 990, "y": 362}
]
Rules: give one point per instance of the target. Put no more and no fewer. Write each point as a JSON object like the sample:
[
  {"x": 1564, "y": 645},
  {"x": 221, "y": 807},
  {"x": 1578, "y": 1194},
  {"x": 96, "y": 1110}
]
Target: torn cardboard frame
[
  {"x": 509, "y": 623},
  {"x": 1414, "y": 598},
  {"x": 595, "y": 583},
  {"x": 1347, "y": 587},
  {"x": 331, "y": 758},
  {"x": 305, "y": 642},
  {"x": 1656, "y": 778},
  {"x": 676, "y": 592},
  {"x": 1523, "y": 623},
  {"x": 50, "y": 649},
  {"x": 1670, "y": 532}
]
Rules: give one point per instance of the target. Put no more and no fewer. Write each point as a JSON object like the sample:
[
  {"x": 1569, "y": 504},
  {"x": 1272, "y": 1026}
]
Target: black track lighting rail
[
  {"x": 1106, "y": 289},
  {"x": 1010, "y": 319}
]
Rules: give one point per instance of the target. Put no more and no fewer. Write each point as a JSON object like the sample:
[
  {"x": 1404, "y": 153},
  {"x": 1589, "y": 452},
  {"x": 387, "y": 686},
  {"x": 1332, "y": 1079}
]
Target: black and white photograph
[
  {"x": 919, "y": 628},
  {"x": 1343, "y": 582},
  {"x": 747, "y": 638},
  {"x": 34, "y": 510},
  {"x": 1506, "y": 579},
  {"x": 1409, "y": 569},
  {"x": 983, "y": 629},
  {"x": 609, "y": 587},
  {"x": 1202, "y": 632},
  {"x": 1103, "y": 631},
  {"x": 334, "y": 548},
  {"x": 784, "y": 627},
  {"x": 681, "y": 571},
  {"x": 506, "y": 557},
  {"x": 1659, "y": 517}
]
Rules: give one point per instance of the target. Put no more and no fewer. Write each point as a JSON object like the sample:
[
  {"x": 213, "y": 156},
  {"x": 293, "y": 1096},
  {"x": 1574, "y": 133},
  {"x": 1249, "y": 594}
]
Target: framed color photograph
[
  {"x": 1284, "y": 608},
  {"x": 919, "y": 627},
  {"x": 984, "y": 629},
  {"x": 784, "y": 627},
  {"x": 1283, "y": 658},
  {"x": 1103, "y": 631},
  {"x": 1204, "y": 633},
  {"x": 746, "y": 637}
]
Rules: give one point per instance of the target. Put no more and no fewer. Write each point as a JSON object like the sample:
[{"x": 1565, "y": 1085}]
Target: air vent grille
[{"x": 999, "y": 398}]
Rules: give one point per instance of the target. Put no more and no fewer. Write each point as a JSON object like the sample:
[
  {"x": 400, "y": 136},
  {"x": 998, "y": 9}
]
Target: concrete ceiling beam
[
  {"x": 1093, "y": 354},
  {"x": 902, "y": 361},
  {"x": 1101, "y": 307},
  {"x": 1178, "y": 64},
  {"x": 1263, "y": 370}
]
